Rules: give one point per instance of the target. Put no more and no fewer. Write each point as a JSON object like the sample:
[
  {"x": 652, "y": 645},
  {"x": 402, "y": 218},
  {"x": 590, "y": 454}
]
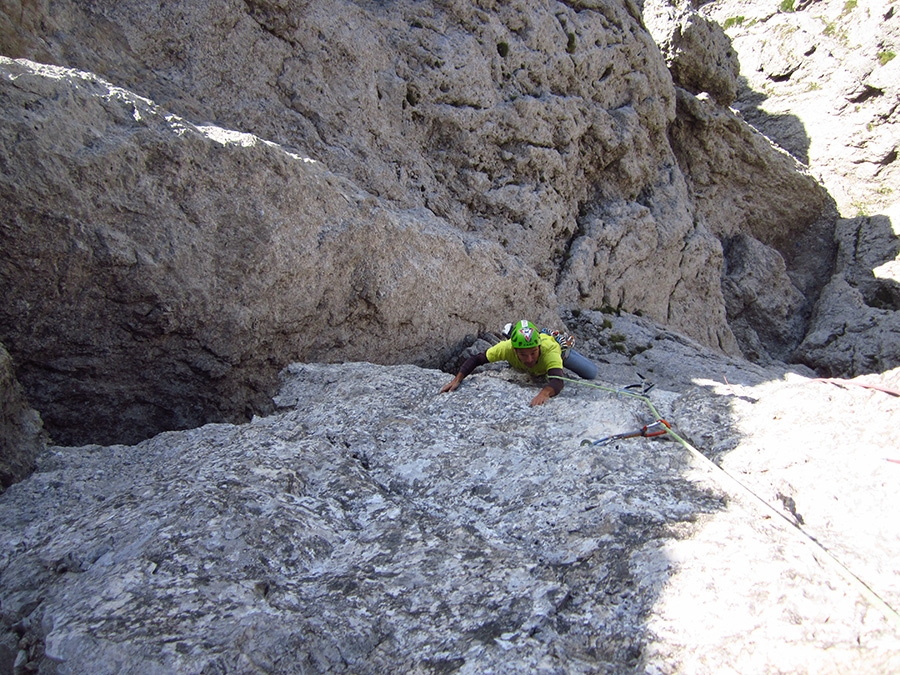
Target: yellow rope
[{"x": 889, "y": 612}]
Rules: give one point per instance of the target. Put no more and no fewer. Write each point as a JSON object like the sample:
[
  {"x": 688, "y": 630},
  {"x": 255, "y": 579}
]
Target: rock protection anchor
[
  {"x": 658, "y": 428},
  {"x": 728, "y": 480}
]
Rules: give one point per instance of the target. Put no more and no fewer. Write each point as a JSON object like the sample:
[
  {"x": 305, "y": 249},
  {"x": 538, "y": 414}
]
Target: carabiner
[
  {"x": 657, "y": 428},
  {"x": 661, "y": 425}
]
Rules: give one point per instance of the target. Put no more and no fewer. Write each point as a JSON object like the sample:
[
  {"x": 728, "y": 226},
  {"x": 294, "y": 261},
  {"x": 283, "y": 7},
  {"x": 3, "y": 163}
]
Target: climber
[{"x": 526, "y": 349}]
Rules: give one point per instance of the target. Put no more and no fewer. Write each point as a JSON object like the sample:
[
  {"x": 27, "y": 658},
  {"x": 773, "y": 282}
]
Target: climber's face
[{"x": 529, "y": 357}]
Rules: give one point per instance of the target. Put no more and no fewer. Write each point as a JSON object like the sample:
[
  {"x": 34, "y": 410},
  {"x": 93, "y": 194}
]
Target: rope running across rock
[{"x": 892, "y": 616}]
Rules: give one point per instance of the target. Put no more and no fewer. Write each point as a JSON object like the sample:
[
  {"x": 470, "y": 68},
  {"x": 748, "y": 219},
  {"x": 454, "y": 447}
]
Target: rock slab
[{"x": 372, "y": 525}]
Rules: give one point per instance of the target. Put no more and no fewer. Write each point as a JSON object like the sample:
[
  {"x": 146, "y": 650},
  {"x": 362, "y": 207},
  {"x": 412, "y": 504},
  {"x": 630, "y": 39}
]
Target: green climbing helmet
[{"x": 525, "y": 335}]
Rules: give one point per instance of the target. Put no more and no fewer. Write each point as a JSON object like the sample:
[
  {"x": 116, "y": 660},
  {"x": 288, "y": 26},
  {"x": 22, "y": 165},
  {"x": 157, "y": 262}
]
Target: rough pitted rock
[
  {"x": 611, "y": 254},
  {"x": 428, "y": 170},
  {"x": 765, "y": 309},
  {"x": 549, "y": 137},
  {"x": 373, "y": 525},
  {"x": 503, "y": 119},
  {"x": 697, "y": 50},
  {"x": 748, "y": 189},
  {"x": 820, "y": 79},
  {"x": 744, "y": 184},
  {"x": 202, "y": 192},
  {"x": 627, "y": 346}
]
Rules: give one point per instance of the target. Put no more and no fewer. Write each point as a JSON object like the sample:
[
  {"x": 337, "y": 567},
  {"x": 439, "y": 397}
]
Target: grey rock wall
[
  {"x": 819, "y": 80},
  {"x": 856, "y": 327},
  {"x": 170, "y": 247},
  {"x": 177, "y": 267},
  {"x": 220, "y": 188},
  {"x": 196, "y": 194},
  {"x": 822, "y": 80}
]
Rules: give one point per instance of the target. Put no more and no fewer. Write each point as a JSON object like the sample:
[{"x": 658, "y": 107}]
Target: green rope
[{"x": 889, "y": 612}]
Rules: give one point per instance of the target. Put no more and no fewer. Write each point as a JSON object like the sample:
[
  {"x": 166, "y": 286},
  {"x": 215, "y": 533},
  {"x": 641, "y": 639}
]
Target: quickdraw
[
  {"x": 828, "y": 557},
  {"x": 643, "y": 387},
  {"x": 566, "y": 341},
  {"x": 658, "y": 428}
]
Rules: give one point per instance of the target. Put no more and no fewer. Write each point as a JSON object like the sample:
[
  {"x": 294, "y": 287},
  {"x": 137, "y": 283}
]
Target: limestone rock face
[
  {"x": 205, "y": 201},
  {"x": 373, "y": 525},
  {"x": 177, "y": 266},
  {"x": 747, "y": 189},
  {"x": 623, "y": 252},
  {"x": 196, "y": 196},
  {"x": 745, "y": 184},
  {"x": 856, "y": 327},
  {"x": 764, "y": 307},
  {"x": 697, "y": 50},
  {"x": 203, "y": 192},
  {"x": 822, "y": 79},
  {"x": 502, "y": 119}
]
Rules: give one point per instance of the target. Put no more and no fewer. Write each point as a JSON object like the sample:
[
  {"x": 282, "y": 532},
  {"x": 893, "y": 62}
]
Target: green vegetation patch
[{"x": 861, "y": 209}]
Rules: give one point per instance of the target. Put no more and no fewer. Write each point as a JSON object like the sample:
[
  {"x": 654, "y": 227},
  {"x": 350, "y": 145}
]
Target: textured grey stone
[
  {"x": 21, "y": 430},
  {"x": 373, "y": 525},
  {"x": 177, "y": 267},
  {"x": 856, "y": 325},
  {"x": 763, "y": 306},
  {"x": 819, "y": 79},
  {"x": 697, "y": 50},
  {"x": 199, "y": 193},
  {"x": 822, "y": 82}
]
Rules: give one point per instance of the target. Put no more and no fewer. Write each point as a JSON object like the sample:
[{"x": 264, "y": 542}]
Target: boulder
[
  {"x": 856, "y": 326},
  {"x": 21, "y": 430},
  {"x": 698, "y": 53},
  {"x": 767, "y": 312}
]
